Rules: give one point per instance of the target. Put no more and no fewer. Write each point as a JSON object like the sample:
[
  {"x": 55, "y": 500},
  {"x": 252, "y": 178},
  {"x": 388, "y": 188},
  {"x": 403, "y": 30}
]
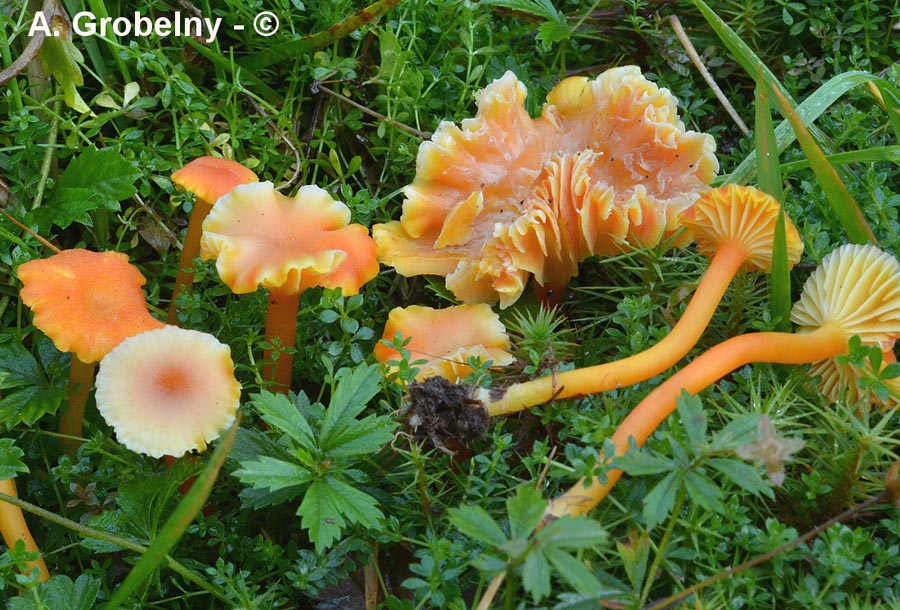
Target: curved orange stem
[
  {"x": 782, "y": 348},
  {"x": 281, "y": 325},
  {"x": 639, "y": 367},
  {"x": 184, "y": 278},
  {"x": 14, "y": 528},
  {"x": 81, "y": 378}
]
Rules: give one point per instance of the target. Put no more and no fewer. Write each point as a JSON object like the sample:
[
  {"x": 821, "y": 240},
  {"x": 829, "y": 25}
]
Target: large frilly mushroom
[
  {"x": 87, "y": 303},
  {"x": 607, "y": 165},
  {"x": 261, "y": 238},
  {"x": 446, "y": 339}
]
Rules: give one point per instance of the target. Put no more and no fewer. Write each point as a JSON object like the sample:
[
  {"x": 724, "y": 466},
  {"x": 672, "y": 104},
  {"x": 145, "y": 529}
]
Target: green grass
[{"x": 343, "y": 99}]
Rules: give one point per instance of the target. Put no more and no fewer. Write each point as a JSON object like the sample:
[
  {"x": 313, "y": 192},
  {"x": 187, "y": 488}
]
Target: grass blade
[
  {"x": 890, "y": 154},
  {"x": 184, "y": 514},
  {"x": 770, "y": 182},
  {"x": 292, "y": 48},
  {"x": 842, "y": 202}
]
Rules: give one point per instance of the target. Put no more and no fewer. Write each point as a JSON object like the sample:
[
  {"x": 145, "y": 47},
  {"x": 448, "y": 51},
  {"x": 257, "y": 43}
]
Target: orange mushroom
[
  {"x": 13, "y": 528},
  {"x": 87, "y": 303},
  {"x": 259, "y": 237},
  {"x": 446, "y": 338},
  {"x": 608, "y": 165},
  {"x": 854, "y": 292},
  {"x": 734, "y": 226},
  {"x": 168, "y": 391},
  {"x": 208, "y": 178}
]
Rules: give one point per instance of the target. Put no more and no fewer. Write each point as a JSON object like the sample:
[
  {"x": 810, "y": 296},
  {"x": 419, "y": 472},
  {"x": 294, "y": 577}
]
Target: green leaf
[
  {"x": 572, "y": 533},
  {"x": 639, "y": 463},
  {"x": 60, "y": 58},
  {"x": 842, "y": 202},
  {"x": 525, "y": 510},
  {"x": 326, "y": 504},
  {"x": 741, "y": 474},
  {"x": 693, "y": 419},
  {"x": 739, "y": 431},
  {"x": 363, "y": 437},
  {"x": 573, "y": 571},
  {"x": 659, "y": 501},
  {"x": 61, "y": 593},
  {"x": 536, "y": 576},
  {"x": 282, "y": 415},
  {"x": 702, "y": 490},
  {"x": 10, "y": 459},
  {"x": 477, "y": 524},
  {"x": 273, "y": 474},
  {"x": 39, "y": 387},
  {"x": 354, "y": 389},
  {"x": 181, "y": 518},
  {"x": 96, "y": 179}
]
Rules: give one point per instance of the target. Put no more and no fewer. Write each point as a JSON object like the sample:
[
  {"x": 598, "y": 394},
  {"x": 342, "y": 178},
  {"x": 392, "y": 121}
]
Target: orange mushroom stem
[
  {"x": 208, "y": 178},
  {"x": 856, "y": 291},
  {"x": 261, "y": 238},
  {"x": 14, "y": 528},
  {"x": 735, "y": 226}
]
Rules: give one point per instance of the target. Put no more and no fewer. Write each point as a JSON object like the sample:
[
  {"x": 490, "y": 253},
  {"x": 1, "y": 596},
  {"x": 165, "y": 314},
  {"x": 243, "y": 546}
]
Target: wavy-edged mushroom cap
[
  {"x": 208, "y": 178},
  {"x": 857, "y": 288},
  {"x": 86, "y": 302},
  {"x": 606, "y": 166},
  {"x": 741, "y": 215},
  {"x": 446, "y": 338},
  {"x": 260, "y": 237},
  {"x": 168, "y": 391}
]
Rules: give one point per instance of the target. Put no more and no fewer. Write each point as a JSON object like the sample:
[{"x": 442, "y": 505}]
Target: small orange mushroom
[
  {"x": 87, "y": 303},
  {"x": 734, "y": 226},
  {"x": 13, "y": 528},
  {"x": 260, "y": 237},
  {"x": 168, "y": 391},
  {"x": 208, "y": 178},
  {"x": 854, "y": 292},
  {"x": 608, "y": 165},
  {"x": 446, "y": 339}
]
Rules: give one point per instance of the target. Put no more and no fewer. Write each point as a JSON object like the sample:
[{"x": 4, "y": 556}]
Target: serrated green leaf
[
  {"x": 702, "y": 490},
  {"x": 489, "y": 564},
  {"x": 741, "y": 474},
  {"x": 61, "y": 593},
  {"x": 739, "y": 431},
  {"x": 477, "y": 524},
  {"x": 525, "y": 510},
  {"x": 693, "y": 418},
  {"x": 353, "y": 391},
  {"x": 659, "y": 501},
  {"x": 61, "y": 58},
  {"x": 363, "y": 437},
  {"x": 273, "y": 474},
  {"x": 640, "y": 463},
  {"x": 573, "y": 571},
  {"x": 115, "y": 523},
  {"x": 572, "y": 533},
  {"x": 282, "y": 415},
  {"x": 536, "y": 576},
  {"x": 329, "y": 504},
  {"x": 11, "y": 459}
]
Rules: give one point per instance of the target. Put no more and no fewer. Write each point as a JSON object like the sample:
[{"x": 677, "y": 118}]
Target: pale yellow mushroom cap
[
  {"x": 446, "y": 338},
  {"x": 168, "y": 391},
  {"x": 857, "y": 287},
  {"x": 743, "y": 215},
  {"x": 261, "y": 238},
  {"x": 607, "y": 166}
]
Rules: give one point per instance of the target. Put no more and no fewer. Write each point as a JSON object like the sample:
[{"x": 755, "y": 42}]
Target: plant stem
[
  {"x": 14, "y": 528},
  {"x": 184, "y": 278},
  {"x": 81, "y": 378},
  {"x": 782, "y": 348},
  {"x": 639, "y": 367},
  {"x": 663, "y": 543},
  {"x": 47, "y": 163},
  {"x": 7, "y": 499},
  {"x": 281, "y": 327}
]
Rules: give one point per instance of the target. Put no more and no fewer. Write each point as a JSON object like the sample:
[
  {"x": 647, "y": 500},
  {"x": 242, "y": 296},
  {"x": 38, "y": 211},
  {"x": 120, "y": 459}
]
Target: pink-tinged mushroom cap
[
  {"x": 168, "y": 391},
  {"x": 86, "y": 302},
  {"x": 446, "y": 338},
  {"x": 208, "y": 178},
  {"x": 608, "y": 165},
  {"x": 260, "y": 237}
]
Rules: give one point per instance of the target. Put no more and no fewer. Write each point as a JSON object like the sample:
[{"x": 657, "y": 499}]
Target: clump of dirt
[{"x": 445, "y": 413}]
